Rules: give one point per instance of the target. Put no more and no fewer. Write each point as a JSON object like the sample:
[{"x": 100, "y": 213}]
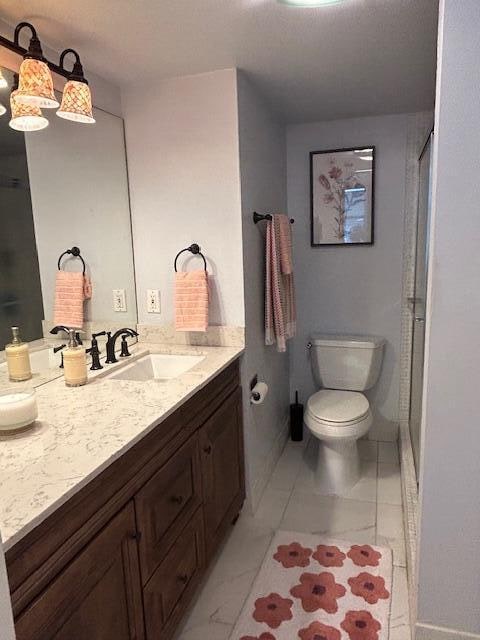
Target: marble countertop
[{"x": 81, "y": 431}]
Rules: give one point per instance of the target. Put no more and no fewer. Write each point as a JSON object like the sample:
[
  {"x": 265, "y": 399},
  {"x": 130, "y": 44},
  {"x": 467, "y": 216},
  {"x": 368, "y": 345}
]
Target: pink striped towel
[
  {"x": 280, "y": 313},
  {"x": 191, "y": 301},
  {"x": 71, "y": 289}
]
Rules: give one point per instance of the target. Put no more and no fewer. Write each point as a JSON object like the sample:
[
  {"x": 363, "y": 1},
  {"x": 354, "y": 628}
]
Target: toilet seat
[
  {"x": 332, "y": 414},
  {"x": 338, "y": 407}
]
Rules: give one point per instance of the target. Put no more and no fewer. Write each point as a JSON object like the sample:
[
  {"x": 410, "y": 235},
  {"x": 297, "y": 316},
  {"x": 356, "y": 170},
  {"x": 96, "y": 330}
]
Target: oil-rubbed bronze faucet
[{"x": 111, "y": 339}]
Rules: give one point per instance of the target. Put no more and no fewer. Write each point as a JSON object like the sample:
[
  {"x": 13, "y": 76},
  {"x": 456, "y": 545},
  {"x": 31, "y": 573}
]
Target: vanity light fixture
[
  {"x": 77, "y": 100},
  {"x": 3, "y": 81},
  {"x": 25, "y": 117},
  {"x": 2, "y": 109},
  {"x": 35, "y": 86}
]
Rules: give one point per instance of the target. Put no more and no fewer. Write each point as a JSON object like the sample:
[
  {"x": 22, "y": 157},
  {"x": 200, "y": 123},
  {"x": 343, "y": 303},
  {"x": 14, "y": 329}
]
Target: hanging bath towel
[
  {"x": 280, "y": 314},
  {"x": 71, "y": 290}
]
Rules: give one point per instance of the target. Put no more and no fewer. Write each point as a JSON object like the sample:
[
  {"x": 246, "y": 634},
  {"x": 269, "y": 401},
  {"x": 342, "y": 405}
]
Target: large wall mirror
[{"x": 61, "y": 187}]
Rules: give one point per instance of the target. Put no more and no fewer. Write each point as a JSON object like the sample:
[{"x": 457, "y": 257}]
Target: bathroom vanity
[{"x": 118, "y": 552}]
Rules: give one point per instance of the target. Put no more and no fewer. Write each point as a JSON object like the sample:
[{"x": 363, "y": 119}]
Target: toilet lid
[{"x": 338, "y": 406}]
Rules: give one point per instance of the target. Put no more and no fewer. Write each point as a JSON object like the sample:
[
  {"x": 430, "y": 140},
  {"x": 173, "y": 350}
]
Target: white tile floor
[{"x": 370, "y": 513}]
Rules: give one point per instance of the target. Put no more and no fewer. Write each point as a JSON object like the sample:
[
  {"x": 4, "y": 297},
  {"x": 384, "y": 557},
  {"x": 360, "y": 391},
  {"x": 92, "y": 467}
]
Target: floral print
[
  {"x": 318, "y": 591},
  {"x": 364, "y": 555},
  {"x": 370, "y": 588},
  {"x": 329, "y": 556},
  {"x": 293, "y": 555},
  {"x": 319, "y": 631},
  {"x": 273, "y": 610},
  {"x": 263, "y": 636},
  {"x": 361, "y": 625}
]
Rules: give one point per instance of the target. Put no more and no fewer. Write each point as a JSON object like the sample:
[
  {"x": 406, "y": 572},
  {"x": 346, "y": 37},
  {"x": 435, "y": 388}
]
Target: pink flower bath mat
[{"x": 310, "y": 588}]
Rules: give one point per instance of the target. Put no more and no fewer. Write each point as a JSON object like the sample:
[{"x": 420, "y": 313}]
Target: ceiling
[{"x": 361, "y": 57}]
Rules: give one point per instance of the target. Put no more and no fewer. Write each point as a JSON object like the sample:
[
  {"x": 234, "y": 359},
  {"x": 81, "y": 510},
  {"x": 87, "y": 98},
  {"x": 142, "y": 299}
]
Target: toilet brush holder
[{"x": 296, "y": 420}]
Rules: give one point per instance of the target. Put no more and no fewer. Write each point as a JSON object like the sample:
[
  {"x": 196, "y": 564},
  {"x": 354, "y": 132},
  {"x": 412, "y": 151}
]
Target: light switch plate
[
  {"x": 119, "y": 300},
  {"x": 153, "y": 301}
]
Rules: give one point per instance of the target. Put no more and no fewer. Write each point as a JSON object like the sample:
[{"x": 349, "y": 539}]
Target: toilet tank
[{"x": 345, "y": 362}]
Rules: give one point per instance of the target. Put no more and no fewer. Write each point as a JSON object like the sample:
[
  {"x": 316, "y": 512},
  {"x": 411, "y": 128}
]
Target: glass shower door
[{"x": 418, "y": 301}]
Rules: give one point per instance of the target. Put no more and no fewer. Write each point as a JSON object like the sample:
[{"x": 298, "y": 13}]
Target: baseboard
[
  {"x": 270, "y": 463},
  {"x": 430, "y": 632}
]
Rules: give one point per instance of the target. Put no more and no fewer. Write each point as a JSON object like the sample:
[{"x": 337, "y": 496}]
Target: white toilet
[{"x": 338, "y": 415}]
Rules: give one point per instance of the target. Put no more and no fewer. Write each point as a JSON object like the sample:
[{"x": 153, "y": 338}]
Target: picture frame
[{"x": 342, "y": 196}]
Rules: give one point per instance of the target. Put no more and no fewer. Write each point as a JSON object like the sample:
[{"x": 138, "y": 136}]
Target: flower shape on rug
[
  {"x": 293, "y": 555},
  {"x": 361, "y": 625},
  {"x": 364, "y": 555},
  {"x": 318, "y": 591},
  {"x": 263, "y": 636},
  {"x": 329, "y": 556},
  {"x": 370, "y": 588},
  {"x": 273, "y": 610},
  {"x": 319, "y": 631}
]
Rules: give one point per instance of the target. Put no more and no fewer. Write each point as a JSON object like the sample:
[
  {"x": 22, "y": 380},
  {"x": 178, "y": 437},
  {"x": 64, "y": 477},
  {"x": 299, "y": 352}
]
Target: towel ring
[
  {"x": 75, "y": 252},
  {"x": 193, "y": 248}
]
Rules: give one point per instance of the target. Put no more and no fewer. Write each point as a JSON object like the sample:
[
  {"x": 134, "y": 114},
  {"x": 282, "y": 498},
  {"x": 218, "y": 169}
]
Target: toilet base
[{"x": 338, "y": 466}]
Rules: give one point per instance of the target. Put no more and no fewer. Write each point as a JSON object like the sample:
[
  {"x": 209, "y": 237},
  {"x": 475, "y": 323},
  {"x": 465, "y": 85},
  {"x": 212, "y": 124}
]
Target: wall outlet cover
[
  {"x": 119, "y": 301},
  {"x": 153, "y": 301}
]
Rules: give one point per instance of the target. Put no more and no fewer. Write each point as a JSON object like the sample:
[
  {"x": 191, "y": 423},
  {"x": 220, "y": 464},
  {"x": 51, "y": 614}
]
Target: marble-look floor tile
[
  {"x": 212, "y": 631},
  {"x": 336, "y": 517},
  {"x": 368, "y": 450},
  {"x": 388, "y": 453},
  {"x": 287, "y": 468},
  {"x": 365, "y": 489},
  {"x": 390, "y": 531},
  {"x": 389, "y": 484},
  {"x": 271, "y": 507},
  {"x": 399, "y": 617}
]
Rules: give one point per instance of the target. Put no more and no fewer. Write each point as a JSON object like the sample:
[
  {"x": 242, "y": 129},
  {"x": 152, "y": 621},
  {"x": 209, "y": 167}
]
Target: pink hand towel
[
  {"x": 191, "y": 301},
  {"x": 71, "y": 289},
  {"x": 280, "y": 312}
]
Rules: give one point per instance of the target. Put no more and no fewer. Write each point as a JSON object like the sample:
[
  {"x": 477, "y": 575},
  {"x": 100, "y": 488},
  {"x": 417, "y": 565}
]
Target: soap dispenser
[
  {"x": 74, "y": 362},
  {"x": 18, "y": 358}
]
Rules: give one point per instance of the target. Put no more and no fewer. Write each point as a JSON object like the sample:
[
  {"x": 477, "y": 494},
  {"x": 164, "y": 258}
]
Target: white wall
[
  {"x": 354, "y": 289},
  {"x": 263, "y": 180},
  {"x": 449, "y": 549},
  {"x": 182, "y": 145}
]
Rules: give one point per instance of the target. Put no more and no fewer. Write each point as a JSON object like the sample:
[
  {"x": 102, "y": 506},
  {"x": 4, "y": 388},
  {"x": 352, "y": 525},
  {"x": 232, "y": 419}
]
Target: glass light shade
[
  {"x": 3, "y": 81},
  {"x": 2, "y": 109},
  {"x": 35, "y": 85},
  {"x": 76, "y": 103},
  {"x": 25, "y": 117}
]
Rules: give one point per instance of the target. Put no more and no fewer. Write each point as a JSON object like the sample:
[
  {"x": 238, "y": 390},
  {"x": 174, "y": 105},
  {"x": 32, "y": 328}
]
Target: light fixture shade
[
  {"x": 35, "y": 86},
  {"x": 3, "y": 81},
  {"x": 25, "y": 117},
  {"x": 76, "y": 103},
  {"x": 2, "y": 109}
]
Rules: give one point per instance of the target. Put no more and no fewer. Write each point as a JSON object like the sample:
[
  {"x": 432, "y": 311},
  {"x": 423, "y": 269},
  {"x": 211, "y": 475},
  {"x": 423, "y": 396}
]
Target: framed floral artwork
[{"x": 342, "y": 196}]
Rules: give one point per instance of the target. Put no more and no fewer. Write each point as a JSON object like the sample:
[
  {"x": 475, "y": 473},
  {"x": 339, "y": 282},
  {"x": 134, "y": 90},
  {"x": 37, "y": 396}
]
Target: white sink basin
[
  {"x": 41, "y": 360},
  {"x": 157, "y": 366}
]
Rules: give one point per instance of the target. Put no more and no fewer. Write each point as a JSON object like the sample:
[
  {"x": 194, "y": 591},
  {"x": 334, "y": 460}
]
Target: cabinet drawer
[
  {"x": 166, "y": 504},
  {"x": 171, "y": 587}
]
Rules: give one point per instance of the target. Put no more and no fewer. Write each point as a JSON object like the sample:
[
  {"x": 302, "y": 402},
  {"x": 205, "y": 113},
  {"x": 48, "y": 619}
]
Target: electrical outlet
[
  {"x": 153, "y": 301},
  {"x": 119, "y": 300}
]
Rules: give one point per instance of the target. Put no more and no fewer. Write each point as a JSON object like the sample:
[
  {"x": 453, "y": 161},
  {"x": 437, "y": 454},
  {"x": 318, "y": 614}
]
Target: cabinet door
[
  {"x": 221, "y": 449},
  {"x": 170, "y": 589},
  {"x": 97, "y": 596},
  {"x": 166, "y": 504}
]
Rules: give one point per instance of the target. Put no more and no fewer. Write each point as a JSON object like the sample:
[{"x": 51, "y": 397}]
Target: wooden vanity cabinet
[
  {"x": 124, "y": 557},
  {"x": 97, "y": 595}
]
